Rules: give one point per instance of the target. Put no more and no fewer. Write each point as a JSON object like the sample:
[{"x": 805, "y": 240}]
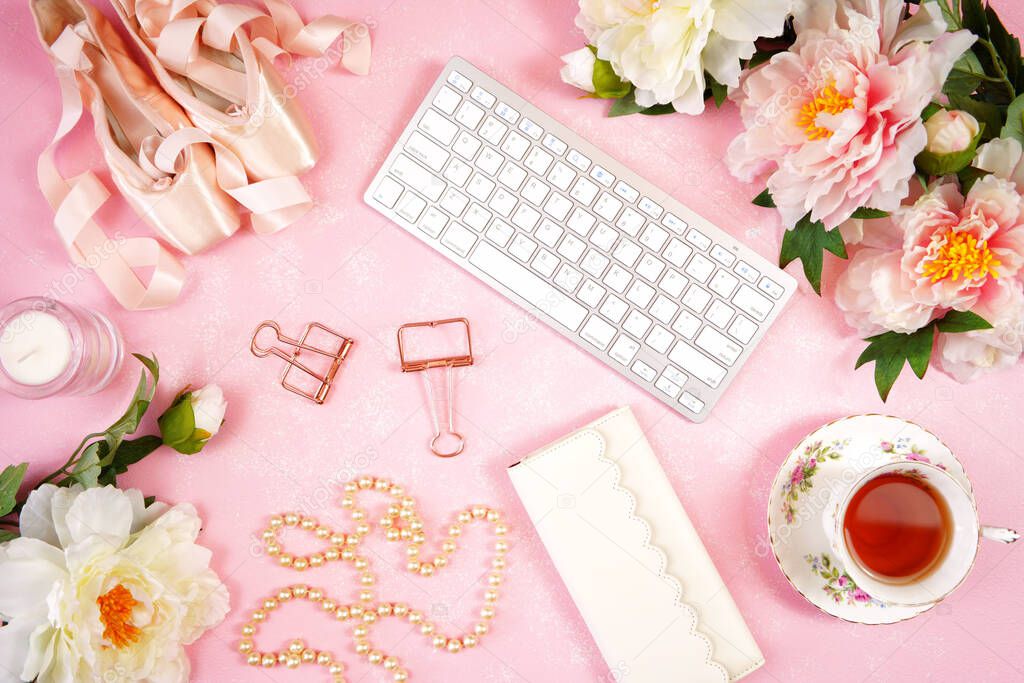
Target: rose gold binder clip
[
  {"x": 318, "y": 383},
  {"x": 430, "y": 362}
]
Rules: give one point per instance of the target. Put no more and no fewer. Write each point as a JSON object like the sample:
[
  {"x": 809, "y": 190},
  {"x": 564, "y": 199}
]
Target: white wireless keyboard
[{"x": 647, "y": 286}]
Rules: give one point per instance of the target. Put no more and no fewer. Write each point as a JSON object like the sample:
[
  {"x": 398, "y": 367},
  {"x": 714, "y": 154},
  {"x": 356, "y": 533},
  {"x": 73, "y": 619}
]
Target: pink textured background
[{"x": 348, "y": 267}]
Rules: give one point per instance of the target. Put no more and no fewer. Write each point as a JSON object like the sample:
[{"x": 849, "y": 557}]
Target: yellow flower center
[
  {"x": 961, "y": 255},
  {"x": 116, "y": 607},
  {"x": 827, "y": 100}
]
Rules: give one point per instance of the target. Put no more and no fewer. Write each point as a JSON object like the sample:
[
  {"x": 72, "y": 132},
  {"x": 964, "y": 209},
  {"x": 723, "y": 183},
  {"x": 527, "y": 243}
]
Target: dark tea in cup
[{"x": 897, "y": 527}]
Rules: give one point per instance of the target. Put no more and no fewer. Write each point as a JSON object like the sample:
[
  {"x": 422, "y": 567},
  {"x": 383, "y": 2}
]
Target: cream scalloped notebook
[{"x": 631, "y": 559}]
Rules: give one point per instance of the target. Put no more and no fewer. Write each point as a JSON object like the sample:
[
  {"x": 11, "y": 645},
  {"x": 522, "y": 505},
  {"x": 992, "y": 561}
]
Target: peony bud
[
  {"x": 950, "y": 131},
  {"x": 579, "y": 69},
  {"x": 193, "y": 418}
]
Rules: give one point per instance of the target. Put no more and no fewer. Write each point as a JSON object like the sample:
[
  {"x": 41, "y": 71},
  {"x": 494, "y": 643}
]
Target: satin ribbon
[{"x": 76, "y": 201}]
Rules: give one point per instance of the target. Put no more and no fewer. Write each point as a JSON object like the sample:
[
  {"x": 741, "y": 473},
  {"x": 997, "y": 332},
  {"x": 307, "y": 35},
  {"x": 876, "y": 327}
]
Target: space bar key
[{"x": 527, "y": 285}]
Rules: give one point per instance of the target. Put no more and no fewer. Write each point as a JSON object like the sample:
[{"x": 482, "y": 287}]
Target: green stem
[
  {"x": 64, "y": 468},
  {"x": 1002, "y": 72}
]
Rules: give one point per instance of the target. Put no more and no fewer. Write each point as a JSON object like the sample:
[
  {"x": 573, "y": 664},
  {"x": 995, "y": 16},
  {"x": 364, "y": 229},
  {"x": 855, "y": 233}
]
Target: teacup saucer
[{"x": 831, "y": 455}]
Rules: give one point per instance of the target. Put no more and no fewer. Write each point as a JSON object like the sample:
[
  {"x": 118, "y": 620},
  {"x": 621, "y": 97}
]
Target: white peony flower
[
  {"x": 950, "y": 132},
  {"x": 579, "y": 69},
  {"x": 663, "y": 47},
  {"x": 209, "y": 406},
  {"x": 970, "y": 355},
  {"x": 99, "y": 583},
  {"x": 193, "y": 418}
]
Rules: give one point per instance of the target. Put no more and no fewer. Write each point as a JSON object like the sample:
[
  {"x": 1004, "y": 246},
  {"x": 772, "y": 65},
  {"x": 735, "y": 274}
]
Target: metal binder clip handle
[{"x": 435, "y": 418}]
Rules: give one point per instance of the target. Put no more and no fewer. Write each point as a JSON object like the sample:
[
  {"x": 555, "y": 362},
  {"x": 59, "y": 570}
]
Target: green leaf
[
  {"x": 87, "y": 469},
  {"x": 962, "y": 321},
  {"x": 128, "y": 453},
  {"x": 1006, "y": 45},
  {"x": 965, "y": 76},
  {"x": 10, "y": 481},
  {"x": 989, "y": 115},
  {"x": 945, "y": 164},
  {"x": 149, "y": 500},
  {"x": 715, "y": 90},
  {"x": 890, "y": 350},
  {"x": 806, "y": 241},
  {"x": 7, "y": 535},
  {"x": 930, "y": 110},
  {"x": 951, "y": 13},
  {"x": 764, "y": 199},
  {"x": 868, "y": 212},
  {"x": 607, "y": 84},
  {"x": 144, "y": 392},
  {"x": 1014, "y": 127},
  {"x": 968, "y": 176},
  {"x": 626, "y": 105}
]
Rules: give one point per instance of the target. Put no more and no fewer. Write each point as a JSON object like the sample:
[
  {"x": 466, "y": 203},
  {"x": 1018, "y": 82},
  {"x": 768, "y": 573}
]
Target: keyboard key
[
  {"x": 700, "y": 268},
  {"x": 627, "y": 252},
  {"x": 458, "y": 239},
  {"x": 591, "y": 293},
  {"x": 554, "y": 144},
  {"x": 388, "y": 191},
  {"x": 650, "y": 268},
  {"x": 506, "y": 112},
  {"x": 417, "y": 177},
  {"x": 438, "y": 127},
  {"x": 771, "y": 287},
  {"x": 660, "y": 339},
  {"x": 617, "y": 278},
  {"x": 459, "y": 81},
  {"x": 686, "y": 324},
  {"x": 630, "y": 222},
  {"x": 719, "y": 314},
  {"x": 668, "y": 387},
  {"x": 458, "y": 172},
  {"x": 545, "y": 263},
  {"x": 503, "y": 202},
  {"x": 500, "y": 233},
  {"x": 676, "y": 253},
  {"x": 580, "y": 222},
  {"x": 624, "y": 349},
  {"x": 469, "y": 115},
  {"x": 640, "y": 293},
  {"x": 743, "y": 329},
  {"x": 697, "y": 364},
  {"x": 607, "y": 207},
  {"x": 644, "y": 370},
  {"x": 466, "y": 146},
  {"x": 696, "y": 298},
  {"x": 594, "y": 263},
  {"x": 626, "y": 191},
  {"x": 538, "y": 161},
  {"x": 598, "y": 332},
  {"x": 691, "y": 402},
  {"x": 561, "y": 176},
  {"x": 584, "y": 191},
  {"x": 698, "y": 239},
  {"x": 522, "y": 247},
  {"x": 650, "y": 207},
  {"x": 718, "y": 345},
  {"x": 433, "y": 221},
  {"x": 572, "y": 248},
  {"x": 673, "y": 283},
  {"x": 489, "y": 161},
  {"x": 568, "y": 278},
  {"x": 511, "y": 176},
  {"x": 549, "y": 233},
  {"x": 723, "y": 255},
  {"x": 447, "y": 100},
  {"x": 477, "y": 217},
  {"x": 527, "y": 285},
  {"x": 674, "y": 375},
  {"x": 578, "y": 159},
  {"x": 603, "y": 237},
  {"x": 674, "y": 223},
  {"x": 614, "y": 308},
  {"x": 483, "y": 97},
  {"x": 723, "y": 284},
  {"x": 747, "y": 272},
  {"x": 454, "y": 202},
  {"x": 557, "y": 207},
  {"x": 410, "y": 207},
  {"x": 526, "y": 217},
  {"x": 602, "y": 176},
  {"x": 515, "y": 145},
  {"x": 531, "y": 128},
  {"x": 653, "y": 237},
  {"x": 663, "y": 309},
  {"x": 493, "y": 130},
  {"x": 535, "y": 191},
  {"x": 636, "y": 324},
  {"x": 752, "y": 303},
  {"x": 480, "y": 187},
  {"x": 422, "y": 149}
]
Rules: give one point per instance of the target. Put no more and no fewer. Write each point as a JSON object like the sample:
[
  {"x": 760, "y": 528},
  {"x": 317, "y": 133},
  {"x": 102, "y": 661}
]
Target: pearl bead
[
  {"x": 331, "y": 554},
  {"x": 449, "y": 546},
  {"x": 348, "y": 554},
  {"x": 407, "y": 502},
  {"x": 269, "y": 604},
  {"x": 258, "y": 615},
  {"x": 291, "y": 519},
  {"x": 412, "y": 551},
  {"x": 316, "y": 560},
  {"x": 390, "y": 663},
  {"x": 300, "y": 563},
  {"x": 479, "y": 512},
  {"x": 406, "y": 513},
  {"x": 426, "y": 570},
  {"x": 366, "y": 595},
  {"x": 501, "y": 546},
  {"x": 500, "y": 529},
  {"x": 315, "y": 595},
  {"x": 393, "y": 534},
  {"x": 358, "y": 515},
  {"x": 365, "y": 482},
  {"x": 382, "y": 485},
  {"x": 454, "y": 645},
  {"x": 465, "y": 517},
  {"x": 341, "y": 614},
  {"x": 328, "y": 605},
  {"x": 419, "y": 538},
  {"x": 400, "y": 676},
  {"x": 323, "y": 658},
  {"x": 254, "y": 659},
  {"x": 486, "y": 612},
  {"x": 337, "y": 539},
  {"x": 296, "y": 646},
  {"x": 440, "y": 641},
  {"x": 276, "y": 522},
  {"x": 384, "y": 610},
  {"x": 273, "y": 549},
  {"x": 351, "y": 487},
  {"x": 369, "y": 617},
  {"x": 285, "y": 560},
  {"x": 405, "y": 534},
  {"x": 282, "y": 657},
  {"x": 361, "y": 563},
  {"x": 400, "y": 609},
  {"x": 323, "y": 532},
  {"x": 397, "y": 491},
  {"x": 348, "y": 502},
  {"x": 413, "y": 566},
  {"x": 309, "y": 656},
  {"x": 308, "y": 524},
  {"x": 415, "y": 617},
  {"x": 440, "y": 561},
  {"x": 494, "y": 579},
  {"x": 356, "y": 611},
  {"x": 336, "y": 668},
  {"x": 427, "y": 628},
  {"x": 360, "y": 631},
  {"x": 375, "y": 657},
  {"x": 268, "y": 660},
  {"x": 498, "y": 563},
  {"x": 284, "y": 595},
  {"x": 469, "y": 640},
  {"x": 300, "y": 590},
  {"x": 269, "y": 535},
  {"x": 493, "y": 516},
  {"x": 248, "y": 629},
  {"x": 454, "y": 530},
  {"x": 491, "y": 595},
  {"x": 362, "y": 647},
  {"x": 480, "y": 629},
  {"x": 293, "y": 662},
  {"x": 245, "y": 646}
]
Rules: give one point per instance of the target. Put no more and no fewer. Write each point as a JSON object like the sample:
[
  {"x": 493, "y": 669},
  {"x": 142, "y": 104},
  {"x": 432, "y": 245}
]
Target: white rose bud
[
  {"x": 193, "y": 418},
  {"x": 579, "y": 69},
  {"x": 950, "y": 131}
]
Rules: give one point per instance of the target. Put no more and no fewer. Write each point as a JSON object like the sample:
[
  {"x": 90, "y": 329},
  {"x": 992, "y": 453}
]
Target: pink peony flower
[
  {"x": 876, "y": 294},
  {"x": 970, "y": 355},
  {"x": 836, "y": 119}
]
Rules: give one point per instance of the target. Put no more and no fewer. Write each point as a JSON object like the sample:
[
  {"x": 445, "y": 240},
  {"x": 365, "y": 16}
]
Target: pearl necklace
[{"x": 401, "y": 523}]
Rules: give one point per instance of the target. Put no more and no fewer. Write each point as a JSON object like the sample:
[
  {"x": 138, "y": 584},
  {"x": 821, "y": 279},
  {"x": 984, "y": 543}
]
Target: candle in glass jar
[{"x": 35, "y": 348}]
